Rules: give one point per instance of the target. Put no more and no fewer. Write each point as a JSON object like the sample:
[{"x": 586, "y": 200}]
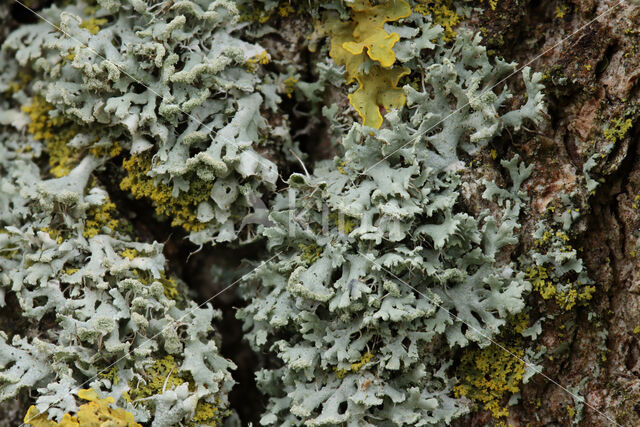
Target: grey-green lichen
[{"x": 382, "y": 285}]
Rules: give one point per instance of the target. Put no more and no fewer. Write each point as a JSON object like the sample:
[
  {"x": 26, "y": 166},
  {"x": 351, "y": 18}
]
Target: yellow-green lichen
[
  {"x": 164, "y": 375},
  {"x": 289, "y": 85},
  {"x": 56, "y": 132},
  {"x": 111, "y": 375},
  {"x": 93, "y": 24},
  {"x": 95, "y": 413},
  {"x": 567, "y": 296},
  {"x": 262, "y": 59},
  {"x": 617, "y": 129},
  {"x": 344, "y": 224},
  {"x": 355, "y": 367},
  {"x": 442, "y": 13},
  {"x": 561, "y": 11},
  {"x": 489, "y": 375},
  {"x": 169, "y": 284},
  {"x": 309, "y": 253},
  {"x": 182, "y": 209},
  {"x": 363, "y": 38},
  {"x": 57, "y": 234},
  {"x": 99, "y": 217}
]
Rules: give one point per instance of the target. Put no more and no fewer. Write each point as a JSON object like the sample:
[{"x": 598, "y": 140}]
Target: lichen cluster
[{"x": 392, "y": 274}]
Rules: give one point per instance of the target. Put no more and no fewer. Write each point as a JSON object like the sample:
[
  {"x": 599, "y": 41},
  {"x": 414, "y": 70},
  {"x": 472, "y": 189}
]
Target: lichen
[
  {"x": 162, "y": 375},
  {"x": 355, "y": 367},
  {"x": 94, "y": 413},
  {"x": 442, "y": 13},
  {"x": 181, "y": 209},
  {"x": 617, "y": 129},
  {"x": 363, "y": 38},
  {"x": 99, "y": 217},
  {"x": 56, "y": 131},
  {"x": 489, "y": 375}
]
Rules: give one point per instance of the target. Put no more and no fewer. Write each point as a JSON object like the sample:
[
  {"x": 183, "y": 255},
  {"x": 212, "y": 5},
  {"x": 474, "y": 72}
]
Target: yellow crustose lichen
[
  {"x": 355, "y": 367},
  {"x": 94, "y": 413},
  {"x": 617, "y": 129},
  {"x": 488, "y": 375},
  {"x": 165, "y": 375},
  {"x": 442, "y": 14},
  {"x": 99, "y": 217},
  {"x": 56, "y": 132},
  {"x": 182, "y": 210}
]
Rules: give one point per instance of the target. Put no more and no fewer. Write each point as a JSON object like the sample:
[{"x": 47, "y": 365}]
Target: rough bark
[{"x": 594, "y": 349}]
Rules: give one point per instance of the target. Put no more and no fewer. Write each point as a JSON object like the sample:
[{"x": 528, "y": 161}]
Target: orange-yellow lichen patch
[
  {"x": 94, "y": 413},
  {"x": 369, "y": 30},
  {"x": 378, "y": 89},
  {"x": 363, "y": 38}
]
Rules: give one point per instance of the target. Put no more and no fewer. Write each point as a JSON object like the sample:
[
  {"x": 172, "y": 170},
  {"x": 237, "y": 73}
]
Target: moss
[
  {"x": 182, "y": 209},
  {"x": 442, "y": 13},
  {"x": 56, "y": 132},
  {"x": 489, "y": 375},
  {"x": 94, "y": 413}
]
